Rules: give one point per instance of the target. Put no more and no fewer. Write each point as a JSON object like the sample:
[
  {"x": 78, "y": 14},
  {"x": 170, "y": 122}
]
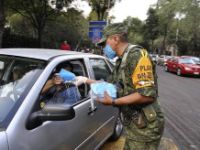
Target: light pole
[
  {"x": 108, "y": 12},
  {"x": 178, "y": 16}
]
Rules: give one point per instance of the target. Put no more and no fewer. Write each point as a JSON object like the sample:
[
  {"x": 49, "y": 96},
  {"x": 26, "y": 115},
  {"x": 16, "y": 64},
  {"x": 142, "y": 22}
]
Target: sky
[{"x": 123, "y": 9}]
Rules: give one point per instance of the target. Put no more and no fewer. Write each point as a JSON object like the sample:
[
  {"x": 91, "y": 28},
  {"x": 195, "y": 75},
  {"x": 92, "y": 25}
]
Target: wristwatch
[{"x": 113, "y": 103}]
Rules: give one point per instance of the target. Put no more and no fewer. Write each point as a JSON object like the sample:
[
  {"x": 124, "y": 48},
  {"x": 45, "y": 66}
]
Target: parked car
[
  {"x": 182, "y": 66},
  {"x": 162, "y": 59},
  {"x": 25, "y": 124},
  {"x": 154, "y": 57}
]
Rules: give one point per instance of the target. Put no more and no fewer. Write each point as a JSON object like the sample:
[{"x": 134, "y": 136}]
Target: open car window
[{"x": 65, "y": 92}]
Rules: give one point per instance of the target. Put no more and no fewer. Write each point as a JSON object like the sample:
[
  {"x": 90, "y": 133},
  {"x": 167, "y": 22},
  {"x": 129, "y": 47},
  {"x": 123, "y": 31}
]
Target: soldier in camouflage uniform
[
  {"x": 137, "y": 93},
  {"x": 136, "y": 79}
]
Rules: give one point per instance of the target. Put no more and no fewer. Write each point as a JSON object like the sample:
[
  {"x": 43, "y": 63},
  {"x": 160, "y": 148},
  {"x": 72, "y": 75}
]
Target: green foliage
[
  {"x": 135, "y": 27},
  {"x": 152, "y": 27},
  {"x": 179, "y": 24},
  {"x": 71, "y": 26},
  {"x": 100, "y": 8}
]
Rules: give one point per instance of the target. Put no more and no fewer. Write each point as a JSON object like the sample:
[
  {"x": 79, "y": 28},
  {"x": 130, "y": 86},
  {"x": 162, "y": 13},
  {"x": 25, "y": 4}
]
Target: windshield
[
  {"x": 17, "y": 75},
  {"x": 187, "y": 61}
]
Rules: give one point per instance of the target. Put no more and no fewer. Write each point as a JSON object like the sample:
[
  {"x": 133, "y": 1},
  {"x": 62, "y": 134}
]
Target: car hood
[
  {"x": 3, "y": 141},
  {"x": 192, "y": 66}
]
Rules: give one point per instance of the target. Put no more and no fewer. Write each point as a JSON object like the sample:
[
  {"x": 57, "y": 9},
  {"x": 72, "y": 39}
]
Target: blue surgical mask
[{"x": 108, "y": 51}]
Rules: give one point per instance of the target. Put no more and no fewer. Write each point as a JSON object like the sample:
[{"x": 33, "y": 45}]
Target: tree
[
  {"x": 166, "y": 11},
  {"x": 37, "y": 12},
  {"x": 2, "y": 20},
  {"x": 135, "y": 28},
  {"x": 183, "y": 31},
  {"x": 70, "y": 26},
  {"x": 100, "y": 7},
  {"x": 152, "y": 26}
]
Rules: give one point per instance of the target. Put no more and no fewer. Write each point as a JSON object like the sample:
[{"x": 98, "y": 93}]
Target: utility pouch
[
  {"x": 149, "y": 113},
  {"x": 139, "y": 120}
]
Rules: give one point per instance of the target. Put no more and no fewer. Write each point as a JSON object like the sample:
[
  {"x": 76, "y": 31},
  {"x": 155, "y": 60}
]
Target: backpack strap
[{"x": 123, "y": 63}]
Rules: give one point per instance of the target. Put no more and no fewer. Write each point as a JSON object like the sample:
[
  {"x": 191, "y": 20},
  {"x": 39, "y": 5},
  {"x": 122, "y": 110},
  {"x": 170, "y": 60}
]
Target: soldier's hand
[
  {"x": 107, "y": 100},
  {"x": 80, "y": 80}
]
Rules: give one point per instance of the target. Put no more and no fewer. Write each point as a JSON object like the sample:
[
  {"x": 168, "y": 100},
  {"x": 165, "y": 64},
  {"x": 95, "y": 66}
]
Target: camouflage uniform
[
  {"x": 147, "y": 138},
  {"x": 145, "y": 133}
]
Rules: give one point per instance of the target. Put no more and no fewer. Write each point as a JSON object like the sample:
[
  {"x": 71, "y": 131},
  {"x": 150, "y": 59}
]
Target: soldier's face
[{"x": 113, "y": 41}]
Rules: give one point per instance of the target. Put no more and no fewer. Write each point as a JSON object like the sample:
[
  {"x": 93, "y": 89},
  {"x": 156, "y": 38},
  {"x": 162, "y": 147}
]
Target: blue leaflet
[
  {"x": 99, "y": 88},
  {"x": 67, "y": 75}
]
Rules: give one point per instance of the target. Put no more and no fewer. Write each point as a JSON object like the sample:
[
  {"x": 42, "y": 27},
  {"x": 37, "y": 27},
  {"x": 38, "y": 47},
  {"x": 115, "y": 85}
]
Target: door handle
[{"x": 92, "y": 110}]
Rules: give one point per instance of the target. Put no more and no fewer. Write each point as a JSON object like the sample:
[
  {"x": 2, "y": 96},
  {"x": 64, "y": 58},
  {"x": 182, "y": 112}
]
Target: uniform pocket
[{"x": 149, "y": 113}]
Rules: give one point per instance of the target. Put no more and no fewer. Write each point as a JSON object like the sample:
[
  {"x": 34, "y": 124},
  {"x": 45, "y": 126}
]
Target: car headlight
[{"x": 186, "y": 68}]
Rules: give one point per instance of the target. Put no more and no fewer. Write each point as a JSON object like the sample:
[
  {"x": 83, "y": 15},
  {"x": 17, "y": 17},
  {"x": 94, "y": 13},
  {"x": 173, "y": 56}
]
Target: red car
[{"x": 183, "y": 66}]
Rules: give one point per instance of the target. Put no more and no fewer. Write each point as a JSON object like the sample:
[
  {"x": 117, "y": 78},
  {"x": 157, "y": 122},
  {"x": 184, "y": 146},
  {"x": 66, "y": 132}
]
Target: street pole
[
  {"x": 177, "y": 32},
  {"x": 178, "y": 16},
  {"x": 108, "y": 12}
]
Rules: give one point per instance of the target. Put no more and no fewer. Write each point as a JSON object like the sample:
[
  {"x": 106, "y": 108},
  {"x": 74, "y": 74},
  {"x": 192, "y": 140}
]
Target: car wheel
[
  {"x": 118, "y": 129},
  {"x": 178, "y": 72},
  {"x": 166, "y": 68}
]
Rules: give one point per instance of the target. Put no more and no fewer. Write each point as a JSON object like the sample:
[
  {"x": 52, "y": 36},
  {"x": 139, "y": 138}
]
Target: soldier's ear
[{"x": 116, "y": 39}]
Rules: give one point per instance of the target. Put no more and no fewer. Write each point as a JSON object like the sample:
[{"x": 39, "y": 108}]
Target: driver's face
[{"x": 57, "y": 80}]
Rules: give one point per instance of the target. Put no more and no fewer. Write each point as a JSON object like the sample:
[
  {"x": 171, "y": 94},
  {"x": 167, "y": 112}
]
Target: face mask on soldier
[{"x": 108, "y": 51}]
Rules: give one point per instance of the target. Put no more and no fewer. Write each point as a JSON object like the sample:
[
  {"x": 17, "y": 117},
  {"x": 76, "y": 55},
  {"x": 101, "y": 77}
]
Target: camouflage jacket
[{"x": 128, "y": 86}]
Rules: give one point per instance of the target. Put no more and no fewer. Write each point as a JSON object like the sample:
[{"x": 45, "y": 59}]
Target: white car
[{"x": 162, "y": 59}]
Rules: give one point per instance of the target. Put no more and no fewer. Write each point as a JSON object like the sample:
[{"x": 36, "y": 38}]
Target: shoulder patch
[{"x": 143, "y": 73}]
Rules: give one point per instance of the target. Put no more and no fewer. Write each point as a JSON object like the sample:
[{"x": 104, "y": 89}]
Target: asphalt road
[{"x": 180, "y": 99}]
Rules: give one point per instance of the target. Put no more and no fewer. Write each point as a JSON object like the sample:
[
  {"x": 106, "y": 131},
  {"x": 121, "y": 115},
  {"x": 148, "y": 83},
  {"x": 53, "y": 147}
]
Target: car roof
[{"x": 36, "y": 53}]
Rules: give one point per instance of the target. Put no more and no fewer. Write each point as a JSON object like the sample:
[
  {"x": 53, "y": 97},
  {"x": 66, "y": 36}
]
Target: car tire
[
  {"x": 117, "y": 129},
  {"x": 166, "y": 68},
  {"x": 178, "y": 72}
]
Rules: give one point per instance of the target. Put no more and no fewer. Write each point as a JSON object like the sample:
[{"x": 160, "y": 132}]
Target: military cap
[{"x": 115, "y": 28}]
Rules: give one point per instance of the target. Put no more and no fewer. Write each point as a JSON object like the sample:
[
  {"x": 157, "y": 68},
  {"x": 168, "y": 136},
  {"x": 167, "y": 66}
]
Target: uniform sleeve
[{"x": 145, "y": 85}]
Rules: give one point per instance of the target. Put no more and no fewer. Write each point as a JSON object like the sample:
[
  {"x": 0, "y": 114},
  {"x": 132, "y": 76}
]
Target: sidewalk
[{"x": 165, "y": 144}]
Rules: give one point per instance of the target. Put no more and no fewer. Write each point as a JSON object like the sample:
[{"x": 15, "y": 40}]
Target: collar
[{"x": 120, "y": 57}]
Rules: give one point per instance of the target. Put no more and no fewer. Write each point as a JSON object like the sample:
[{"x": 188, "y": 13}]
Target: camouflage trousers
[
  {"x": 135, "y": 145},
  {"x": 143, "y": 139}
]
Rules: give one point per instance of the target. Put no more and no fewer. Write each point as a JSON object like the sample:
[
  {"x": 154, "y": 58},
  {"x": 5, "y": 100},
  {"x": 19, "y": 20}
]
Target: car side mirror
[{"x": 51, "y": 112}]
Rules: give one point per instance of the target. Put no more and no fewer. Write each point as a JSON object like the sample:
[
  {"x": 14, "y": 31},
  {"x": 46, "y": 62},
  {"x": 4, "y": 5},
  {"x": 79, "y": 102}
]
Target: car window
[
  {"x": 4, "y": 62},
  {"x": 187, "y": 61},
  {"x": 66, "y": 91},
  {"x": 17, "y": 77},
  {"x": 100, "y": 69}
]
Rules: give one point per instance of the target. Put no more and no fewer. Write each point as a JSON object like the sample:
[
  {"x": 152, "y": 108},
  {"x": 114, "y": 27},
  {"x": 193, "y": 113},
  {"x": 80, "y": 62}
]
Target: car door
[
  {"x": 90, "y": 126},
  {"x": 100, "y": 71},
  {"x": 175, "y": 65}
]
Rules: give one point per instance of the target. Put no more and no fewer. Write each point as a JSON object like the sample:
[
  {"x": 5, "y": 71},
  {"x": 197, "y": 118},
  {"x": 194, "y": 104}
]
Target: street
[{"x": 179, "y": 97}]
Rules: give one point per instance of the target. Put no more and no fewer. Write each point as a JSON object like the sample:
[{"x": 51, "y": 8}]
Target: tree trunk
[
  {"x": 152, "y": 46},
  {"x": 2, "y": 21},
  {"x": 39, "y": 37},
  {"x": 164, "y": 40}
]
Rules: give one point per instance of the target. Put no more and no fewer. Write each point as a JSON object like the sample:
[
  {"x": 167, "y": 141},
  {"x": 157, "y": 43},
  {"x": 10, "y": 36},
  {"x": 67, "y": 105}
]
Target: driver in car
[{"x": 61, "y": 89}]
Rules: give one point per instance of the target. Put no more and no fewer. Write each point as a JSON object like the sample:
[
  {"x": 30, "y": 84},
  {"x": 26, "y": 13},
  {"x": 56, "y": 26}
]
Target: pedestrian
[
  {"x": 65, "y": 46},
  {"x": 136, "y": 80}
]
